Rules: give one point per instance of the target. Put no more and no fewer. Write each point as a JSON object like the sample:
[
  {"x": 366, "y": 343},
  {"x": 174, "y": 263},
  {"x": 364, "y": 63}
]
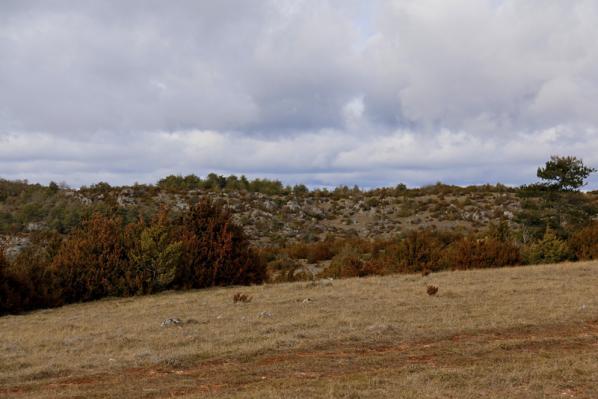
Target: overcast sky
[{"x": 321, "y": 92}]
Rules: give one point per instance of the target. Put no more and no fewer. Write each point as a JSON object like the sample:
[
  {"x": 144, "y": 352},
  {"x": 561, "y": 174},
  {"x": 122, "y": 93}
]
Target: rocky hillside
[{"x": 286, "y": 215}]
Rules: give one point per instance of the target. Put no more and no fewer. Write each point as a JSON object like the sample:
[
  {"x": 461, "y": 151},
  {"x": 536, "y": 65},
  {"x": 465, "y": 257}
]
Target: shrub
[
  {"x": 12, "y": 290},
  {"x": 584, "y": 243},
  {"x": 420, "y": 250},
  {"x": 239, "y": 297},
  {"x": 32, "y": 267},
  {"x": 470, "y": 253},
  {"x": 91, "y": 262},
  {"x": 215, "y": 250},
  {"x": 347, "y": 263},
  {"x": 153, "y": 255},
  {"x": 431, "y": 290},
  {"x": 549, "y": 249}
]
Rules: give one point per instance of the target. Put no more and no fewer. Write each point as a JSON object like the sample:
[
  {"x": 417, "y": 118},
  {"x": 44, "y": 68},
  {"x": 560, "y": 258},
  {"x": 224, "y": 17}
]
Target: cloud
[{"x": 323, "y": 92}]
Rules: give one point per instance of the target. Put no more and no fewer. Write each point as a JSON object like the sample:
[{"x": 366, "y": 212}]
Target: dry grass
[{"x": 529, "y": 332}]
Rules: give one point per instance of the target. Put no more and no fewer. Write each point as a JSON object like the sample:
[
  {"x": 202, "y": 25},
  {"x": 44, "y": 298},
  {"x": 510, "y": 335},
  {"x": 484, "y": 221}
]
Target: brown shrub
[
  {"x": 12, "y": 290},
  {"x": 420, "y": 250},
  {"x": 584, "y": 243},
  {"x": 92, "y": 262},
  {"x": 239, "y": 297},
  {"x": 215, "y": 250},
  {"x": 471, "y": 253},
  {"x": 432, "y": 290}
]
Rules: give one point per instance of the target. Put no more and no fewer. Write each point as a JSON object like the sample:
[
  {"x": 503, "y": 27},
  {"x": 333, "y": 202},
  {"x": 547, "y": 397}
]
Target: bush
[
  {"x": 12, "y": 290},
  {"x": 470, "y": 253},
  {"x": 347, "y": 263},
  {"x": 549, "y": 249},
  {"x": 153, "y": 254},
  {"x": 584, "y": 243},
  {"x": 215, "y": 250},
  {"x": 92, "y": 261},
  {"x": 420, "y": 250}
]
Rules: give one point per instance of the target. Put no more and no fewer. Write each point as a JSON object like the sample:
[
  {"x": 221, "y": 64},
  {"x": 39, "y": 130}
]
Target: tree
[
  {"x": 555, "y": 202},
  {"x": 564, "y": 173}
]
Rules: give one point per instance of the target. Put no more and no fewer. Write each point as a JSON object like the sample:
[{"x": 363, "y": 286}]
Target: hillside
[
  {"x": 525, "y": 332},
  {"x": 270, "y": 217}
]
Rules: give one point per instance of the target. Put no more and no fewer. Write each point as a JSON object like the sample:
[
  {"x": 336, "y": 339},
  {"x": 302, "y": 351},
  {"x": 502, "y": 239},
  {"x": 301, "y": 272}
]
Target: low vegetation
[
  {"x": 525, "y": 332},
  {"x": 64, "y": 246},
  {"x": 106, "y": 257}
]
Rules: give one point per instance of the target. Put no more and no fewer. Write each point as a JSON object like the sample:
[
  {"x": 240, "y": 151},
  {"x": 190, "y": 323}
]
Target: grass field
[{"x": 527, "y": 332}]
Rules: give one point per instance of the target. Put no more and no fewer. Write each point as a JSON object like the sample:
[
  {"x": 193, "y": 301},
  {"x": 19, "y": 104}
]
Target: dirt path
[{"x": 224, "y": 377}]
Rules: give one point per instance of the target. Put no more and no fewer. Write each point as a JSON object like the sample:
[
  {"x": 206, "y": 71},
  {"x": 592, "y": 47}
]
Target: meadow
[{"x": 521, "y": 332}]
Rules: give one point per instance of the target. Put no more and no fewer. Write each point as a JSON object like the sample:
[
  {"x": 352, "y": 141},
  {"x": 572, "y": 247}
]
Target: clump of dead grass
[
  {"x": 243, "y": 298},
  {"x": 432, "y": 290}
]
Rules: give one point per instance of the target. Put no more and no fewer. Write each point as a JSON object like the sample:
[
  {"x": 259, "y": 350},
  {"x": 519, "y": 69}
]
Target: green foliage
[
  {"x": 556, "y": 203},
  {"x": 153, "y": 255},
  {"x": 347, "y": 263},
  {"x": 564, "y": 173},
  {"x": 550, "y": 249}
]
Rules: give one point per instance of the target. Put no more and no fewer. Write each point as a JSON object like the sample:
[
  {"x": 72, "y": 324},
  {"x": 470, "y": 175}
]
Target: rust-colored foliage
[
  {"x": 432, "y": 290},
  {"x": 471, "y": 253},
  {"x": 215, "y": 250},
  {"x": 420, "y": 250},
  {"x": 584, "y": 243},
  {"x": 91, "y": 262}
]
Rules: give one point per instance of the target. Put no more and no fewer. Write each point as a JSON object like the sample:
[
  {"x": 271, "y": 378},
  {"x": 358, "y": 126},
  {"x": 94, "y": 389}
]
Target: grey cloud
[{"x": 326, "y": 92}]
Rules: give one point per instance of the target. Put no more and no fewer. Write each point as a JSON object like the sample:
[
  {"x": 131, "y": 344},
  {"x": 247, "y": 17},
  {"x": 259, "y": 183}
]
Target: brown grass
[{"x": 528, "y": 332}]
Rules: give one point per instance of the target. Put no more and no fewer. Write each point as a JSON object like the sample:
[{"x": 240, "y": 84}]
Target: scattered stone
[
  {"x": 264, "y": 314},
  {"x": 326, "y": 282},
  {"x": 307, "y": 300},
  {"x": 170, "y": 322}
]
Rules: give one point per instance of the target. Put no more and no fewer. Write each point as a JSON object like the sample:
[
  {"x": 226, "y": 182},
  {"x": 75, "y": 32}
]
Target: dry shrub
[
  {"x": 420, "y": 250},
  {"x": 432, "y": 290},
  {"x": 32, "y": 267},
  {"x": 239, "y": 297},
  {"x": 584, "y": 243},
  {"x": 92, "y": 261},
  {"x": 215, "y": 250},
  {"x": 471, "y": 253},
  {"x": 13, "y": 291}
]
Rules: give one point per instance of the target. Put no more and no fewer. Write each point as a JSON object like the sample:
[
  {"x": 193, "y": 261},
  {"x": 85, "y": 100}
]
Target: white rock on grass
[{"x": 170, "y": 322}]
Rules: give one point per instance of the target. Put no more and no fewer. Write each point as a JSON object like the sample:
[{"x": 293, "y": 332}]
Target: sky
[{"x": 320, "y": 92}]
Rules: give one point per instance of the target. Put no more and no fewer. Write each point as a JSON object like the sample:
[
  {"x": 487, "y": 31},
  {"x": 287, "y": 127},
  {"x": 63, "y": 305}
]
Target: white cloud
[{"x": 328, "y": 92}]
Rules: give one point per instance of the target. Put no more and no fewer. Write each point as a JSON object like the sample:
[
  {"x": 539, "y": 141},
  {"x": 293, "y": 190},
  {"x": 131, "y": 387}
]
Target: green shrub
[
  {"x": 347, "y": 263},
  {"x": 153, "y": 254},
  {"x": 550, "y": 249}
]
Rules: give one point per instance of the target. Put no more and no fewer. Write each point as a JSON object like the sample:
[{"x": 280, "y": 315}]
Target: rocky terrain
[{"x": 271, "y": 219}]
